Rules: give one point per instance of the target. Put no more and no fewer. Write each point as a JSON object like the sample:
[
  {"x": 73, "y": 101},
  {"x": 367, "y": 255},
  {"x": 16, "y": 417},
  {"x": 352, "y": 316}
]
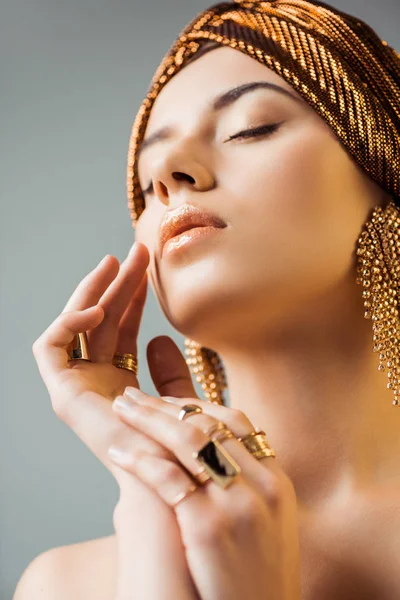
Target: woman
[{"x": 280, "y": 135}]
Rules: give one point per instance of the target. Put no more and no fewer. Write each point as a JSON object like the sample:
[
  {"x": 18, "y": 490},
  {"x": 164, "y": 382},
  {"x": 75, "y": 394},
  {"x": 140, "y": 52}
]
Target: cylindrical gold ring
[
  {"x": 78, "y": 349},
  {"x": 256, "y": 443}
]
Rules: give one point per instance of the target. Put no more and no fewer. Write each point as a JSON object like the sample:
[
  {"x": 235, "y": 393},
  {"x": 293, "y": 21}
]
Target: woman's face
[{"x": 293, "y": 200}]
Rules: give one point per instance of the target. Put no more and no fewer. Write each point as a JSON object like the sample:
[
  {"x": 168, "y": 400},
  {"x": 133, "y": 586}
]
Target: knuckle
[
  {"x": 238, "y": 419},
  {"x": 169, "y": 471},
  {"x": 210, "y": 532},
  {"x": 63, "y": 320},
  {"x": 117, "y": 516},
  {"x": 191, "y": 436},
  {"x": 36, "y": 346},
  {"x": 60, "y": 408},
  {"x": 249, "y": 513},
  {"x": 274, "y": 485}
]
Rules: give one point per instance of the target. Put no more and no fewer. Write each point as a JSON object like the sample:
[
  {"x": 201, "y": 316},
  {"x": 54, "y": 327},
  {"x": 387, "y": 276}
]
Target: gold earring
[
  {"x": 378, "y": 271},
  {"x": 207, "y": 367}
]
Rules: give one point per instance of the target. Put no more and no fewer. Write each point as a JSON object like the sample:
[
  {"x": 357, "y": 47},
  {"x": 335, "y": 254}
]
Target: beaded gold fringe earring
[
  {"x": 378, "y": 271},
  {"x": 206, "y": 366}
]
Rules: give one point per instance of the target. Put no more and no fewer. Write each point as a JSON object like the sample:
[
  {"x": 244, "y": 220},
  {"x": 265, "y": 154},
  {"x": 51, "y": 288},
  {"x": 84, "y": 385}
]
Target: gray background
[{"x": 72, "y": 77}]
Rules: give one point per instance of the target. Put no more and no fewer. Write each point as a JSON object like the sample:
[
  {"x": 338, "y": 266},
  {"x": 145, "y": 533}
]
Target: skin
[
  {"x": 299, "y": 358},
  {"x": 303, "y": 324},
  {"x": 108, "y": 304}
]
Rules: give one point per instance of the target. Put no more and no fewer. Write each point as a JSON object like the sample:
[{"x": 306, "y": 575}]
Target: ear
[{"x": 168, "y": 369}]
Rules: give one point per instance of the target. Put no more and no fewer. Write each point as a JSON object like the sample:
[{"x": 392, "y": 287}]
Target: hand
[
  {"x": 108, "y": 304},
  {"x": 241, "y": 541}
]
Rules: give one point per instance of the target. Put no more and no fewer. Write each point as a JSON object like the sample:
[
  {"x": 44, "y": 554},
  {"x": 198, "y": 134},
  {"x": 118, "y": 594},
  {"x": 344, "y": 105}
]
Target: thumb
[{"x": 168, "y": 369}]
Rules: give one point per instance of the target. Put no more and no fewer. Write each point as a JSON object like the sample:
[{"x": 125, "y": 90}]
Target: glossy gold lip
[
  {"x": 187, "y": 237},
  {"x": 184, "y": 218}
]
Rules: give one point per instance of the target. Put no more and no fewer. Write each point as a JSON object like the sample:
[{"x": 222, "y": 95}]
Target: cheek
[
  {"x": 291, "y": 204},
  {"x": 294, "y": 184}
]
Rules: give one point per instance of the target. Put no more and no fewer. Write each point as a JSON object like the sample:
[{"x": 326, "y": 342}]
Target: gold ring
[
  {"x": 78, "y": 349},
  {"x": 125, "y": 361},
  {"x": 202, "y": 477},
  {"x": 184, "y": 495},
  {"x": 215, "y": 459},
  {"x": 256, "y": 443},
  {"x": 188, "y": 410},
  {"x": 219, "y": 426}
]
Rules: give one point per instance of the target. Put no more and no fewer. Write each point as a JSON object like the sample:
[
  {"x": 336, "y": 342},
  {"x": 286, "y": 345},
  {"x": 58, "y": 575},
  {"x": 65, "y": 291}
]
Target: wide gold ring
[
  {"x": 125, "y": 361},
  {"x": 256, "y": 443},
  {"x": 78, "y": 349}
]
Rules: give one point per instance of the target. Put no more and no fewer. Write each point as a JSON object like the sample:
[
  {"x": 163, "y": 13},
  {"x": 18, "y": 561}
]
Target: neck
[{"x": 312, "y": 384}]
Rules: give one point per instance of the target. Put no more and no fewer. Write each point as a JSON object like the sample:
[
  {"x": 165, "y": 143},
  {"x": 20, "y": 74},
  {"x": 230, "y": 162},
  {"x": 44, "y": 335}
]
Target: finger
[
  {"x": 168, "y": 369},
  {"x": 169, "y": 479},
  {"x": 183, "y": 439},
  {"x": 115, "y": 301},
  {"x": 50, "y": 348},
  {"x": 236, "y": 421},
  {"x": 130, "y": 322},
  {"x": 93, "y": 285}
]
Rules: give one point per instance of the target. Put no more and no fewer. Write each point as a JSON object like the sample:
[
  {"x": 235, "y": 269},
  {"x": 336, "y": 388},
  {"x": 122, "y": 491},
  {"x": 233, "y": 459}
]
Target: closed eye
[
  {"x": 245, "y": 133},
  {"x": 255, "y": 131}
]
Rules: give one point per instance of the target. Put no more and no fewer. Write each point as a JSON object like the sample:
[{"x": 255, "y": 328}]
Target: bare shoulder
[{"x": 85, "y": 570}]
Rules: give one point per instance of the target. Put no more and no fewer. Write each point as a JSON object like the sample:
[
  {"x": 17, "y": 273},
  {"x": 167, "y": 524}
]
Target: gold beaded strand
[{"x": 378, "y": 267}]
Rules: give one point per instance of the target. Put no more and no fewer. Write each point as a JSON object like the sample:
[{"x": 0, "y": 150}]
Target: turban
[{"x": 335, "y": 61}]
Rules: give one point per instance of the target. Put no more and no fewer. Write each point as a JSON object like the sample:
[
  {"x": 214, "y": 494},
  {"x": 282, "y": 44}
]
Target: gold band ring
[
  {"x": 188, "y": 410},
  {"x": 256, "y": 443},
  {"x": 184, "y": 495},
  {"x": 202, "y": 477},
  {"x": 78, "y": 349},
  {"x": 125, "y": 361}
]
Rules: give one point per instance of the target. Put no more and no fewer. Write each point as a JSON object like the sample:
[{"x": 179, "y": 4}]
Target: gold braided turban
[{"x": 335, "y": 61}]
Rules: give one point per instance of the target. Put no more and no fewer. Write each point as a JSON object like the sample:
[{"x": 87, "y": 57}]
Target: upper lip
[{"x": 186, "y": 217}]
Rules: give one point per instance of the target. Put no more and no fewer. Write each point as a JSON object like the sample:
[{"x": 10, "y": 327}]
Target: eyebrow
[{"x": 220, "y": 102}]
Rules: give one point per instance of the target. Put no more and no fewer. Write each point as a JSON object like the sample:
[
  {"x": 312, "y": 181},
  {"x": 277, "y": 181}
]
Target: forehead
[{"x": 192, "y": 89}]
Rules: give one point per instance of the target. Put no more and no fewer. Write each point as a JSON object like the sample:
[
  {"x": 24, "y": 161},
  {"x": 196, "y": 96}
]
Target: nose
[{"x": 168, "y": 181}]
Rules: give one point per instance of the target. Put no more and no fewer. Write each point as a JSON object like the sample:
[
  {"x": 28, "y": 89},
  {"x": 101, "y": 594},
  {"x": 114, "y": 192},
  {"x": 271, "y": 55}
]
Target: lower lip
[{"x": 188, "y": 237}]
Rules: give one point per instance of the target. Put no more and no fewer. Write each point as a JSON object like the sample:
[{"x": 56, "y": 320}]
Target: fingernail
[
  {"x": 134, "y": 393},
  {"x": 118, "y": 455},
  {"x": 103, "y": 260},
  {"x": 121, "y": 404},
  {"x": 133, "y": 248},
  {"x": 170, "y": 399}
]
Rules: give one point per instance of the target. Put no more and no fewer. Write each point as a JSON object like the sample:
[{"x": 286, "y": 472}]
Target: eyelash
[
  {"x": 245, "y": 133},
  {"x": 255, "y": 131}
]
